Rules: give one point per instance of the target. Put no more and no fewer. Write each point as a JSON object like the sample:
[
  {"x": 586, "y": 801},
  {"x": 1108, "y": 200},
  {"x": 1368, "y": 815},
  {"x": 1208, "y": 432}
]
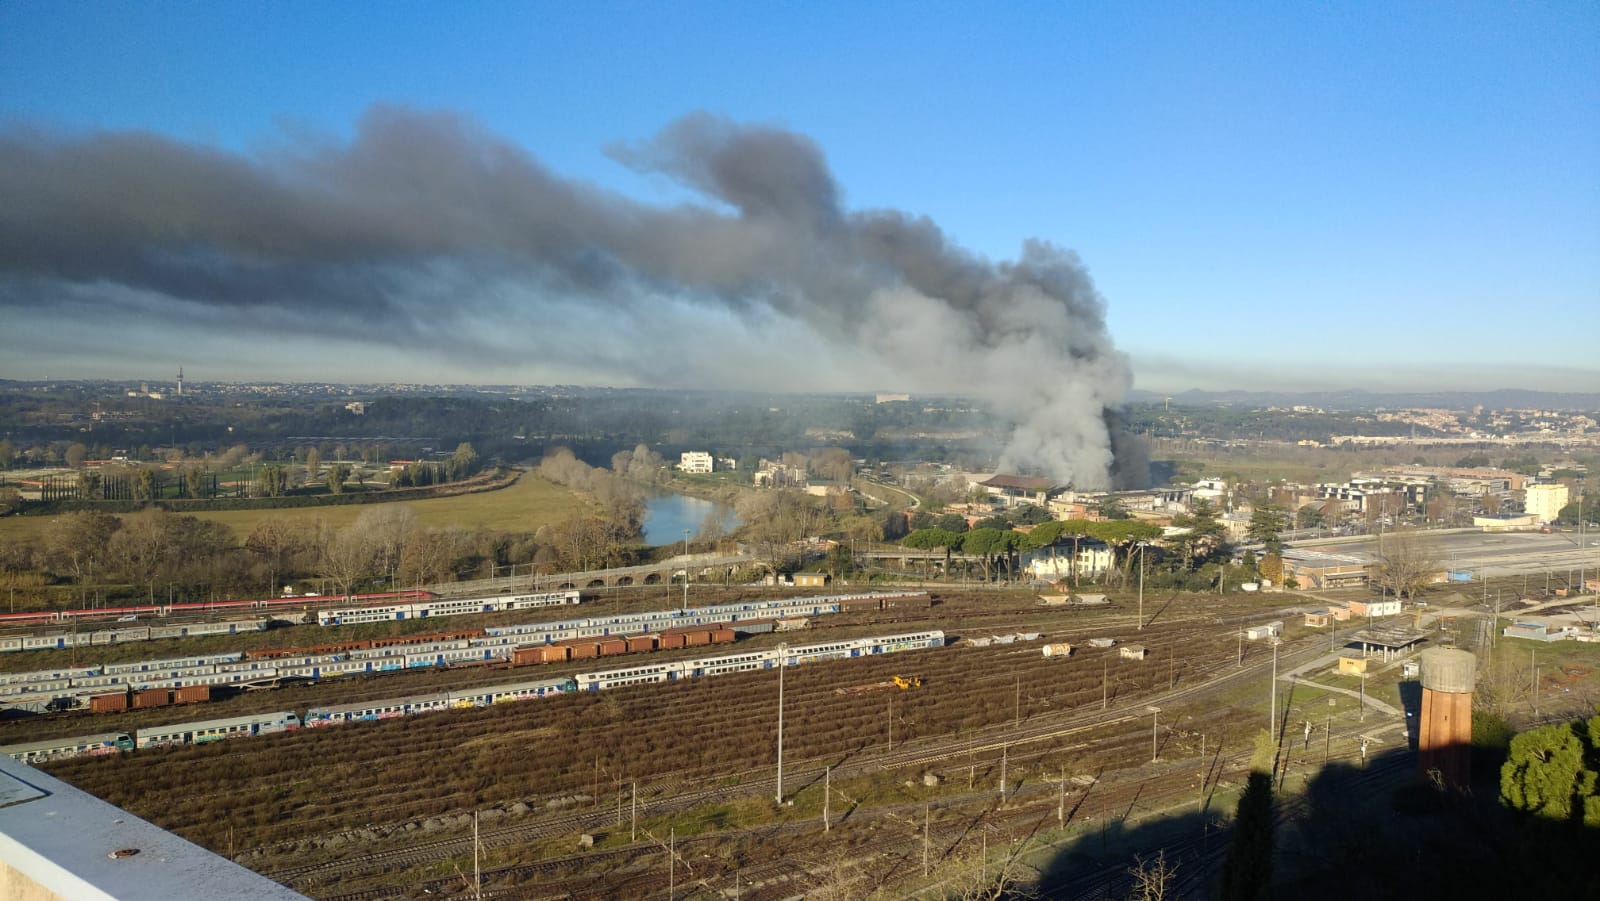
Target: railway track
[{"x": 1046, "y": 732}]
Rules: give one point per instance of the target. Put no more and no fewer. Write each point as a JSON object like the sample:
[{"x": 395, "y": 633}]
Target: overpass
[{"x": 660, "y": 573}]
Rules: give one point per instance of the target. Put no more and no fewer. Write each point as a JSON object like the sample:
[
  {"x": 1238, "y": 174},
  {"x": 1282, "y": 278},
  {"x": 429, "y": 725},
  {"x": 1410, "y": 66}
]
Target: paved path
[{"x": 1295, "y": 675}]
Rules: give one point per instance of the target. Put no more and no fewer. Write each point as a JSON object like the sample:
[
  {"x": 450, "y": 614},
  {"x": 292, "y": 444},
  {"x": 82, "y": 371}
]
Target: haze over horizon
[{"x": 1310, "y": 199}]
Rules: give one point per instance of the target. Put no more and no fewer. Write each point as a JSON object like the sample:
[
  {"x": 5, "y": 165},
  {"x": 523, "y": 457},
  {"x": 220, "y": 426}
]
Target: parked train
[
  {"x": 201, "y": 607},
  {"x": 435, "y": 608},
  {"x": 74, "y": 688},
  {"x": 288, "y": 720},
  {"x": 122, "y": 634}
]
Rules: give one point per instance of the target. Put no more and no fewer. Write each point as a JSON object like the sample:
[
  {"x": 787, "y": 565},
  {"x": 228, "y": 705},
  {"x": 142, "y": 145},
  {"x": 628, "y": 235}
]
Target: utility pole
[
  {"x": 1272, "y": 725},
  {"x": 685, "y": 570},
  {"x": 925, "y": 819},
  {"x": 827, "y": 795},
  {"x": 1004, "y": 752},
  {"x": 1142, "y": 546},
  {"x": 782, "y": 658},
  {"x": 1061, "y": 802},
  {"x": 633, "y": 802},
  {"x": 1105, "y": 684},
  {"x": 1155, "y": 719},
  {"x": 1533, "y": 661}
]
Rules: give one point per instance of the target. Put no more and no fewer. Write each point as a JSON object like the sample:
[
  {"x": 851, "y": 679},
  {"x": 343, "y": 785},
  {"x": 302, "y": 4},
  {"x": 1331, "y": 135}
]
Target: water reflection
[{"x": 668, "y": 515}]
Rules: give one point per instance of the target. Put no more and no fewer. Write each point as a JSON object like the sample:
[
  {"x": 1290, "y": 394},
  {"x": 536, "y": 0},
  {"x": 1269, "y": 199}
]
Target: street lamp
[
  {"x": 685, "y": 570},
  {"x": 1155, "y": 718},
  {"x": 1272, "y": 715},
  {"x": 783, "y": 657},
  {"x": 1142, "y": 546}
]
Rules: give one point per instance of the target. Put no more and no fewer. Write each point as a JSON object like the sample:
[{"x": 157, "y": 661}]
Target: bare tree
[
  {"x": 386, "y": 528},
  {"x": 1406, "y": 562},
  {"x": 277, "y": 541},
  {"x": 1153, "y": 880},
  {"x": 777, "y": 521},
  {"x": 346, "y": 557},
  {"x": 430, "y": 555},
  {"x": 76, "y": 543}
]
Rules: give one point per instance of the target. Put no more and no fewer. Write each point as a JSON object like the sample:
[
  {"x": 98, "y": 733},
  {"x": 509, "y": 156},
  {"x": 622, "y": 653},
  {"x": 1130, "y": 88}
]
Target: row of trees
[
  {"x": 995, "y": 546},
  {"x": 157, "y": 553}
]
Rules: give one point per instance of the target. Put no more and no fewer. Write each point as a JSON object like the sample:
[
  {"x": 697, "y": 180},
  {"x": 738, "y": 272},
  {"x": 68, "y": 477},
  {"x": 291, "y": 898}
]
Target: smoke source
[{"x": 425, "y": 230}]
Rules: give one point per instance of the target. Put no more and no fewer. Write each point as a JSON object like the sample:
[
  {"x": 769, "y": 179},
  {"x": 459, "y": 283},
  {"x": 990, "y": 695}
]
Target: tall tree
[
  {"x": 337, "y": 473},
  {"x": 1267, "y": 523},
  {"x": 1553, "y": 772},
  {"x": 1247, "y": 870}
]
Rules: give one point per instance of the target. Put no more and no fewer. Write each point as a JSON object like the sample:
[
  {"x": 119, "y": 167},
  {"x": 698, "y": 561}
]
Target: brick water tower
[{"x": 1444, "y": 737}]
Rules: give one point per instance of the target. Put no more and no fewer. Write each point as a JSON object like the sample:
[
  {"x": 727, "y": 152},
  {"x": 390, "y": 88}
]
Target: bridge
[{"x": 660, "y": 573}]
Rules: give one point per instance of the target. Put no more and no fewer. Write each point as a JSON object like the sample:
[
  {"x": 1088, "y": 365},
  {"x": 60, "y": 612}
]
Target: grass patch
[{"x": 523, "y": 506}]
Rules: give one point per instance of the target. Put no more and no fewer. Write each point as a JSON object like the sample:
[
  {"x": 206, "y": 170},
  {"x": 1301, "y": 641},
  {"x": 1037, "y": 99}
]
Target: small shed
[
  {"x": 810, "y": 580},
  {"x": 1102, "y": 642},
  {"x": 1354, "y": 666},
  {"x": 1270, "y": 630},
  {"x": 1317, "y": 619},
  {"x": 1134, "y": 652},
  {"x": 1059, "y": 649}
]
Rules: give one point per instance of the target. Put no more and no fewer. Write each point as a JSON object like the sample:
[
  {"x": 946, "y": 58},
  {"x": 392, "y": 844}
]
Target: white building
[
  {"x": 1544, "y": 502},
  {"x": 1094, "y": 560},
  {"x": 695, "y": 461}
]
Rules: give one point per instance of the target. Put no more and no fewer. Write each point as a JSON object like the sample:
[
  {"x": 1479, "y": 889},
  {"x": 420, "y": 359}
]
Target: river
[{"x": 668, "y": 515}]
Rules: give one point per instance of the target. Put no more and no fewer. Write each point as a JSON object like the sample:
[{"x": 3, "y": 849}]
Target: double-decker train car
[
  {"x": 217, "y": 730},
  {"x": 203, "y": 607},
  {"x": 345, "y": 616},
  {"x": 78, "y": 746}
]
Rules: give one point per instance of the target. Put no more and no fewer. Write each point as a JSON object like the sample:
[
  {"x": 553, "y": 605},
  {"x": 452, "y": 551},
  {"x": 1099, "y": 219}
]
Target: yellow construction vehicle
[{"x": 905, "y": 683}]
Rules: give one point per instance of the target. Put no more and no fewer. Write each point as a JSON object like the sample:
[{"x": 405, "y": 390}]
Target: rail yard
[{"x": 624, "y": 791}]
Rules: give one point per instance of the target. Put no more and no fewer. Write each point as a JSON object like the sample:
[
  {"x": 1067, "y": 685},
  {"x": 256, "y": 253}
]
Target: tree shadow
[{"x": 1379, "y": 831}]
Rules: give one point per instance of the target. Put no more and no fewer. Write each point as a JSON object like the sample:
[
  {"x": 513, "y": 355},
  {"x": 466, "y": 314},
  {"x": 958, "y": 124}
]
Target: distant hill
[{"x": 1502, "y": 399}]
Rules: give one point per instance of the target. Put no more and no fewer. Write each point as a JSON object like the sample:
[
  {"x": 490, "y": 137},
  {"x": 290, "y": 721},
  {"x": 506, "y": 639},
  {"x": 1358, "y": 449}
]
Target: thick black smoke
[{"x": 425, "y": 218}]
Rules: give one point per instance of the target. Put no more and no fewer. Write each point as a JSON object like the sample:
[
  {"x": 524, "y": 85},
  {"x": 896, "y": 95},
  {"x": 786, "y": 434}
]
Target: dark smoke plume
[{"x": 425, "y": 219}]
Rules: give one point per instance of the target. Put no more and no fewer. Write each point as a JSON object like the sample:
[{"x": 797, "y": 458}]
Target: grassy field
[{"x": 523, "y": 507}]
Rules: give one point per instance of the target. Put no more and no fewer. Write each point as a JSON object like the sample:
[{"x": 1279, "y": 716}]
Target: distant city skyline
[{"x": 1265, "y": 198}]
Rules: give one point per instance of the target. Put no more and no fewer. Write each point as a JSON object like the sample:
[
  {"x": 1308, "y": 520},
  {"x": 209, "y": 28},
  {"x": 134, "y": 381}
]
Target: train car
[
  {"x": 542, "y": 599},
  {"x": 316, "y": 670},
  {"x": 368, "y": 711},
  {"x": 914, "y": 641},
  {"x": 217, "y": 730},
  {"x": 48, "y": 675},
  {"x": 78, "y": 746},
  {"x": 173, "y": 663},
  {"x": 633, "y": 675},
  {"x": 731, "y": 663},
  {"x": 115, "y": 636},
  {"x": 520, "y": 691}
]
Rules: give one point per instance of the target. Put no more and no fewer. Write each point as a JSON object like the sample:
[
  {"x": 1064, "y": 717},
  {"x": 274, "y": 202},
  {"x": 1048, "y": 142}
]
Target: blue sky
[{"x": 1387, "y": 196}]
